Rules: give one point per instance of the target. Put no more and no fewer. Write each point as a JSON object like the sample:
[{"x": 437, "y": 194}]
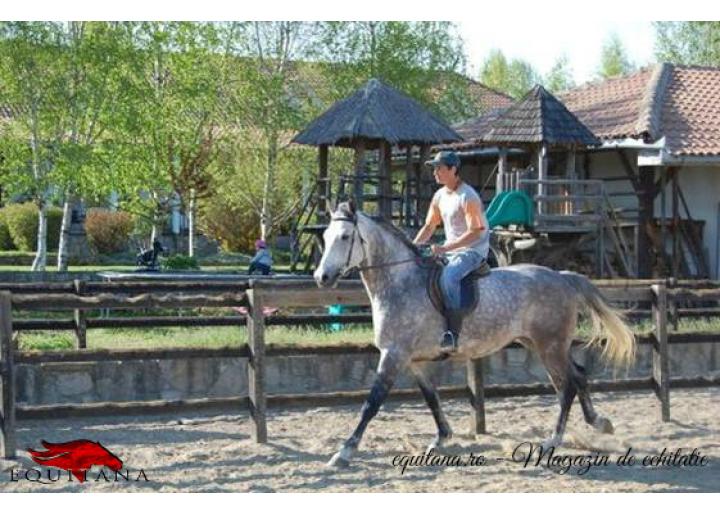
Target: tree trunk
[
  {"x": 191, "y": 225},
  {"x": 153, "y": 232},
  {"x": 266, "y": 215},
  {"x": 62, "y": 258},
  {"x": 41, "y": 253}
]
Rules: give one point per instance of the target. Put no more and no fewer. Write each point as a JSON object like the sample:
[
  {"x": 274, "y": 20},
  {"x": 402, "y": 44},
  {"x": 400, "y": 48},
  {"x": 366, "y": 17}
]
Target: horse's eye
[{"x": 344, "y": 237}]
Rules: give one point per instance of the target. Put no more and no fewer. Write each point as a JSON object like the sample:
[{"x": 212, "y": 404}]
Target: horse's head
[{"x": 343, "y": 246}]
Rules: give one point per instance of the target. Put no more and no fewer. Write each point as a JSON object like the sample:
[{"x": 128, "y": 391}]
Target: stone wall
[{"x": 175, "y": 379}]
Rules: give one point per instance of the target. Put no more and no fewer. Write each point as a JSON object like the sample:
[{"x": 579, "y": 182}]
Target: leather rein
[{"x": 348, "y": 269}]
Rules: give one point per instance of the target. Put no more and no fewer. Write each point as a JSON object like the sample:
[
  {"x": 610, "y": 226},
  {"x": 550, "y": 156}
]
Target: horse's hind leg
[
  {"x": 556, "y": 359},
  {"x": 388, "y": 369},
  {"x": 579, "y": 375},
  {"x": 433, "y": 401}
]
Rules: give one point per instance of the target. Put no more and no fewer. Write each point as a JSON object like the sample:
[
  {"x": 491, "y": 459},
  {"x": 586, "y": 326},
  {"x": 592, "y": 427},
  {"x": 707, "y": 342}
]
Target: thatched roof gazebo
[
  {"x": 538, "y": 121},
  {"x": 375, "y": 117}
]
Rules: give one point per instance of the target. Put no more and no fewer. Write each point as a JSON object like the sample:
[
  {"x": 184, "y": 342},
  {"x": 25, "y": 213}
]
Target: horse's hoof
[
  {"x": 604, "y": 426},
  {"x": 554, "y": 442},
  {"x": 438, "y": 443},
  {"x": 338, "y": 461}
]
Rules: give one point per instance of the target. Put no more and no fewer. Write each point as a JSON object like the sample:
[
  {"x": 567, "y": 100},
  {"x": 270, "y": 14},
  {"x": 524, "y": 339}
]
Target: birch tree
[{"x": 33, "y": 88}]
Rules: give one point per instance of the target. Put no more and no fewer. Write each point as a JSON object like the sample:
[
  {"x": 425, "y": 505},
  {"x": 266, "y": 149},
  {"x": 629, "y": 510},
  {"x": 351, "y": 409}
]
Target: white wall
[
  {"x": 700, "y": 185},
  {"x": 701, "y": 188}
]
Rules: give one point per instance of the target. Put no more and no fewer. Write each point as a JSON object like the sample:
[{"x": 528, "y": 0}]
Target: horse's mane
[{"x": 388, "y": 226}]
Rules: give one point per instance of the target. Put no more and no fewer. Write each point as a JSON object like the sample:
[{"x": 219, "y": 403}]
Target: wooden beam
[
  {"x": 256, "y": 366},
  {"x": 358, "y": 172},
  {"x": 50, "y": 302},
  {"x": 323, "y": 184},
  {"x": 663, "y": 216},
  {"x": 409, "y": 172},
  {"x": 79, "y": 318},
  {"x": 629, "y": 170},
  {"x": 646, "y": 200},
  {"x": 542, "y": 174},
  {"x": 385, "y": 163},
  {"x": 331, "y": 399},
  {"x": 660, "y": 357},
  {"x": 677, "y": 233},
  {"x": 502, "y": 170},
  {"x": 8, "y": 445}
]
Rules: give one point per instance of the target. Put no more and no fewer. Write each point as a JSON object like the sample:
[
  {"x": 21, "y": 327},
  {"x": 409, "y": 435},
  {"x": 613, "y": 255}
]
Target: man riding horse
[{"x": 460, "y": 210}]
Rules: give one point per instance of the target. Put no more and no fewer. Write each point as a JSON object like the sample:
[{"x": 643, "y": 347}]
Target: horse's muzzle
[{"x": 326, "y": 279}]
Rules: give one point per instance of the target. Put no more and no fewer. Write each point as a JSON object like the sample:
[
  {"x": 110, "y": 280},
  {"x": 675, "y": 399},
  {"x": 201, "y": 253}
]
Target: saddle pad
[{"x": 468, "y": 288}]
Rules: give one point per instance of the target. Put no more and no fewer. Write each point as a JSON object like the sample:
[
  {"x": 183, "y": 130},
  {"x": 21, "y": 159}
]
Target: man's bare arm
[{"x": 431, "y": 222}]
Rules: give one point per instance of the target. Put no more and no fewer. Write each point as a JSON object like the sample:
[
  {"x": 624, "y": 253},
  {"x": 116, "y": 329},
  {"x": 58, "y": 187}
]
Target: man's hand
[{"x": 437, "y": 249}]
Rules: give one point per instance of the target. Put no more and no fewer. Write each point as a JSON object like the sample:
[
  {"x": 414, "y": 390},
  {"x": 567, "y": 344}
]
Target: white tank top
[{"x": 452, "y": 210}]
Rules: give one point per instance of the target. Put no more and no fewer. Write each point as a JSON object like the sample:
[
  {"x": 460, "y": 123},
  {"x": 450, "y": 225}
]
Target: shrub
[
  {"x": 236, "y": 230},
  {"x": 108, "y": 231},
  {"x": 179, "y": 262},
  {"x": 22, "y": 222},
  {"x": 5, "y": 237}
]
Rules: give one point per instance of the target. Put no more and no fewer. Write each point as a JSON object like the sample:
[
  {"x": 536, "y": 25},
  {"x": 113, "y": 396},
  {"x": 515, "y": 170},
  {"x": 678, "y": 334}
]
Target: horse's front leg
[{"x": 387, "y": 372}]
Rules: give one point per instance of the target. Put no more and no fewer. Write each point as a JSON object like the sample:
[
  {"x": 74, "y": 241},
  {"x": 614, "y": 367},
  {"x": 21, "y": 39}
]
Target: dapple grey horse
[{"x": 531, "y": 304}]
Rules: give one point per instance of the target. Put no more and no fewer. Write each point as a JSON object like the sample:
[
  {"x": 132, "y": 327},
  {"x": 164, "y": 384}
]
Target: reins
[{"x": 348, "y": 269}]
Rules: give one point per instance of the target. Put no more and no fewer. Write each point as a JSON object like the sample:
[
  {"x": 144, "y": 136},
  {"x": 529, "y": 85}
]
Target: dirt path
[{"x": 211, "y": 453}]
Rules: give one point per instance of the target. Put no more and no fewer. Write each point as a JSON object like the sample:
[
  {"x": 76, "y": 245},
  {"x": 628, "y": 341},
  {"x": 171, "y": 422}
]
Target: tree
[
  {"x": 495, "y": 71},
  {"x": 165, "y": 141},
  {"x": 266, "y": 105},
  {"x": 514, "y": 78},
  {"x": 688, "y": 42},
  {"x": 522, "y": 78},
  {"x": 560, "y": 77},
  {"x": 425, "y": 60},
  {"x": 34, "y": 80},
  {"x": 613, "y": 59},
  {"x": 93, "y": 56},
  {"x": 62, "y": 78}
]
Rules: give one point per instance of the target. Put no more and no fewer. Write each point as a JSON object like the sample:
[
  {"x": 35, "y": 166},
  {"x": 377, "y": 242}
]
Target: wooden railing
[{"x": 256, "y": 294}]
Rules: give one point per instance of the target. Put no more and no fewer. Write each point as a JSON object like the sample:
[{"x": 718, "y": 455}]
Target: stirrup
[{"x": 449, "y": 341}]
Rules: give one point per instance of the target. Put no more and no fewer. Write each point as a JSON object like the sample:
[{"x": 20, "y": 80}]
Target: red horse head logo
[{"x": 76, "y": 456}]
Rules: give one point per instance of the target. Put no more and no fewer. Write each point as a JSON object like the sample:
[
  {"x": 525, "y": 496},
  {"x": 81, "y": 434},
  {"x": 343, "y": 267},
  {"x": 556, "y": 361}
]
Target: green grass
[
  {"x": 230, "y": 268},
  {"x": 214, "y": 337},
  {"x": 182, "y": 337}
]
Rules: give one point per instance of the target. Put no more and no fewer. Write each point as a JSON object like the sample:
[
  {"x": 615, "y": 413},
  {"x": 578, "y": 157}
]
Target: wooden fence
[{"x": 256, "y": 294}]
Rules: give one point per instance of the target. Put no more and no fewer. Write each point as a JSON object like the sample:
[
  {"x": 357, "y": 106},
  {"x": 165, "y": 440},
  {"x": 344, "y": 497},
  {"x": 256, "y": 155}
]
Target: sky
[{"x": 582, "y": 42}]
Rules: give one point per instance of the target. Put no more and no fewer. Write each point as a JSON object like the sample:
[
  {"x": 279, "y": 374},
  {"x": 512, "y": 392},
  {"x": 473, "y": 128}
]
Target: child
[{"x": 262, "y": 261}]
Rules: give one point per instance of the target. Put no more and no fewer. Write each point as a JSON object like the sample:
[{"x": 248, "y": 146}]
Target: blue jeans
[{"x": 458, "y": 266}]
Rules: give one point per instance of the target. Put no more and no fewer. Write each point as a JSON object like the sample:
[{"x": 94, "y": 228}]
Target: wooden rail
[{"x": 257, "y": 294}]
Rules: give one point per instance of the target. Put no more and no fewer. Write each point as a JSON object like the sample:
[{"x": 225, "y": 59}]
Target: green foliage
[
  {"x": 180, "y": 262},
  {"x": 614, "y": 61},
  {"x": 22, "y": 222},
  {"x": 514, "y": 78},
  {"x": 425, "y": 60},
  {"x": 560, "y": 77},
  {"x": 235, "y": 227},
  {"x": 6, "y": 242},
  {"x": 688, "y": 42},
  {"x": 108, "y": 231}
]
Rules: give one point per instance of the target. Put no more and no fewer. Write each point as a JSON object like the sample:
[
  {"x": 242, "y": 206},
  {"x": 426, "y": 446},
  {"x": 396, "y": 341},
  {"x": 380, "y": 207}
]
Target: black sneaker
[{"x": 449, "y": 341}]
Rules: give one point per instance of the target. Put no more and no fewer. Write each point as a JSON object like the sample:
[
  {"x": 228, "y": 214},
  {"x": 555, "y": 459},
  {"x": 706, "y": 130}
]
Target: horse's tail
[{"x": 607, "y": 323}]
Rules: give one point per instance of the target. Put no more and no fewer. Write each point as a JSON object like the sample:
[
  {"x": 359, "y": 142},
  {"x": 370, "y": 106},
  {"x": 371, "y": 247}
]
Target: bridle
[{"x": 356, "y": 231}]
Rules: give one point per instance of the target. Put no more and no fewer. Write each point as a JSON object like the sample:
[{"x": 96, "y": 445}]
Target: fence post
[
  {"x": 477, "y": 395},
  {"x": 660, "y": 357},
  {"x": 7, "y": 379},
  {"x": 79, "y": 315},
  {"x": 256, "y": 365}
]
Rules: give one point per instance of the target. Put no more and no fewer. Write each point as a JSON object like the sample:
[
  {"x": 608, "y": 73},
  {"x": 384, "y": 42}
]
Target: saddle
[{"x": 468, "y": 287}]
